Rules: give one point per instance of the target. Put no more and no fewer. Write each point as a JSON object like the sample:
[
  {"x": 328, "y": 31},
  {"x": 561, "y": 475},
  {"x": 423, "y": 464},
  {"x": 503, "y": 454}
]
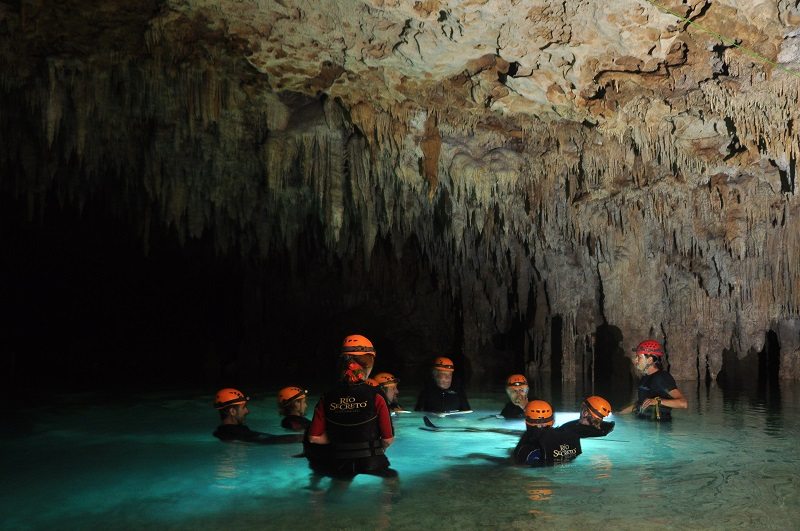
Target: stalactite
[{"x": 682, "y": 206}]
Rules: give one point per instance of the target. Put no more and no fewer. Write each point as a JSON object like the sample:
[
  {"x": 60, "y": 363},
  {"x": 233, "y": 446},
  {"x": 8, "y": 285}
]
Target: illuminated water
[{"x": 729, "y": 462}]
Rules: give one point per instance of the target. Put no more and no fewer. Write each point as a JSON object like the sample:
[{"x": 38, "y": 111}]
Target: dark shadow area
[
  {"x": 754, "y": 378},
  {"x": 84, "y": 307},
  {"x": 511, "y": 353},
  {"x": 769, "y": 361},
  {"x": 612, "y": 371},
  {"x": 556, "y": 354},
  {"x": 738, "y": 373}
]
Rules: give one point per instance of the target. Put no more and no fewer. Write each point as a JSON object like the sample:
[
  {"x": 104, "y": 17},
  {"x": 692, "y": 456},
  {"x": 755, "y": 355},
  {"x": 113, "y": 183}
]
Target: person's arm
[
  {"x": 668, "y": 392},
  {"x": 676, "y": 400},
  {"x": 316, "y": 432},
  {"x": 384, "y": 421}
]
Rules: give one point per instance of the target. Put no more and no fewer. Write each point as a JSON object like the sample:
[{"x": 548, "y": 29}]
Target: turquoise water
[{"x": 729, "y": 462}]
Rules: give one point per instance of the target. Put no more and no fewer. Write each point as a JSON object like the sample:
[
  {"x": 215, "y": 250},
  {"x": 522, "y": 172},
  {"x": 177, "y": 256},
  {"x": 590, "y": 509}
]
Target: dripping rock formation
[{"x": 527, "y": 185}]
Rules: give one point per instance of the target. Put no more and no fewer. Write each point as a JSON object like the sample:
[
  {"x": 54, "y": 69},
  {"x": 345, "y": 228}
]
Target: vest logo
[
  {"x": 565, "y": 451},
  {"x": 346, "y": 403}
]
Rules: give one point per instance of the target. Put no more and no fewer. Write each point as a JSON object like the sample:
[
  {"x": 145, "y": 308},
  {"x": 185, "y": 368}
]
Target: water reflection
[
  {"x": 372, "y": 497},
  {"x": 602, "y": 465},
  {"x": 539, "y": 491},
  {"x": 231, "y": 463},
  {"x": 727, "y": 462},
  {"x": 762, "y": 397}
]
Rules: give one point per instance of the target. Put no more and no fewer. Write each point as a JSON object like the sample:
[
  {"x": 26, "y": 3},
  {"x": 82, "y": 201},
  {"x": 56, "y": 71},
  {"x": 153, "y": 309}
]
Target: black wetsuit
[
  {"x": 295, "y": 423},
  {"x": 512, "y": 411},
  {"x": 658, "y": 384},
  {"x": 239, "y": 432},
  {"x": 437, "y": 400},
  {"x": 582, "y": 430},
  {"x": 546, "y": 446}
]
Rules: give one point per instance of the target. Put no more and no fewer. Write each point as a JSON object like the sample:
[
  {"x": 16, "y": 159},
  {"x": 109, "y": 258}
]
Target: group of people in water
[{"x": 351, "y": 426}]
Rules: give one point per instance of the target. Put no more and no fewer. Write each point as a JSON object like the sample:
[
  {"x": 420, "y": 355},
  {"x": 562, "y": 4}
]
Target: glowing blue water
[{"x": 725, "y": 463}]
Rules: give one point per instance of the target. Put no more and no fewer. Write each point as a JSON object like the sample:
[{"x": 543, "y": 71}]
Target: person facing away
[
  {"x": 388, "y": 385},
  {"x": 591, "y": 424},
  {"x": 657, "y": 387},
  {"x": 441, "y": 394},
  {"x": 292, "y": 406},
  {"x": 541, "y": 444},
  {"x": 232, "y": 406},
  {"x": 517, "y": 391},
  {"x": 351, "y": 427}
]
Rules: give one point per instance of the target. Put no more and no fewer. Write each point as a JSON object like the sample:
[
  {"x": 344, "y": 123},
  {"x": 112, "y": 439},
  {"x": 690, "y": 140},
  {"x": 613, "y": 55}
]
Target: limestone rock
[{"x": 630, "y": 164}]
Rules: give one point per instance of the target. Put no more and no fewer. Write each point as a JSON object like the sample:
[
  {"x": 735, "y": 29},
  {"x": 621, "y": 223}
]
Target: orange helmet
[
  {"x": 516, "y": 380},
  {"x": 385, "y": 379},
  {"x": 598, "y": 406},
  {"x": 290, "y": 394},
  {"x": 229, "y": 397},
  {"x": 443, "y": 364},
  {"x": 538, "y": 413},
  {"x": 373, "y": 382},
  {"x": 650, "y": 347},
  {"x": 356, "y": 345}
]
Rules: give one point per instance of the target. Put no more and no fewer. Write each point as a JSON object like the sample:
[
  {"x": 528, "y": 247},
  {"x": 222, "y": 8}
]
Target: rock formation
[{"x": 542, "y": 168}]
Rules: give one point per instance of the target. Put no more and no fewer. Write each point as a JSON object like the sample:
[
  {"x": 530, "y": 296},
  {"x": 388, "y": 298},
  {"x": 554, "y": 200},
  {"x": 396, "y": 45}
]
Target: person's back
[
  {"x": 351, "y": 427},
  {"x": 547, "y": 446},
  {"x": 541, "y": 444}
]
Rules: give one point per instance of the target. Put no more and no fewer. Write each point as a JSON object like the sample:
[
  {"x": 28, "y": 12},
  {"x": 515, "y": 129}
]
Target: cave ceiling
[{"x": 630, "y": 163}]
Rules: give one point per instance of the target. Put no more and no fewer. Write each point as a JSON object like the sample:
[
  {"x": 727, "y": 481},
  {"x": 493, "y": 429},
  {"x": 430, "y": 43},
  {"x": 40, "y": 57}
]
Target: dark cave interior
[{"x": 86, "y": 306}]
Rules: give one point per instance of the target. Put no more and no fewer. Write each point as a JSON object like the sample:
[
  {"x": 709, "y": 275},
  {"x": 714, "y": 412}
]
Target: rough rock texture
[{"x": 625, "y": 163}]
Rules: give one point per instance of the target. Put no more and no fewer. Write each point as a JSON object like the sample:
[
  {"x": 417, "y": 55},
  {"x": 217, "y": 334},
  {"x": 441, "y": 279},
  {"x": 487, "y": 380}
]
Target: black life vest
[{"x": 351, "y": 421}]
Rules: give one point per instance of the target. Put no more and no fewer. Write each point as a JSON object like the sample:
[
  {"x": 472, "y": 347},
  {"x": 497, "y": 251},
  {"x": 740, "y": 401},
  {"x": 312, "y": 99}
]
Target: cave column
[{"x": 788, "y": 331}]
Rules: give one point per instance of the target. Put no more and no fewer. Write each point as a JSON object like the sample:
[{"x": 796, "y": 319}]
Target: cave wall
[{"x": 656, "y": 195}]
